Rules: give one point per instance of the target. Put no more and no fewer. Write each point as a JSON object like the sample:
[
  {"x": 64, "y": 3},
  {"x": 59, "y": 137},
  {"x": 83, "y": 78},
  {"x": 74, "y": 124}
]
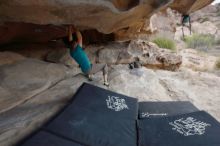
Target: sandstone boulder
[
  {"x": 163, "y": 24},
  {"x": 61, "y": 56},
  {"x": 154, "y": 57},
  {"x": 33, "y": 50},
  {"x": 20, "y": 32},
  {"x": 199, "y": 61},
  {"x": 125, "y": 18},
  {"x": 209, "y": 13},
  {"x": 112, "y": 15},
  {"x": 29, "y": 116},
  {"x": 149, "y": 54},
  {"x": 93, "y": 52},
  {"x": 189, "y": 6},
  {"x": 202, "y": 89},
  {"x": 26, "y": 78},
  {"x": 140, "y": 83},
  {"x": 179, "y": 34},
  {"x": 207, "y": 28},
  {"x": 10, "y": 57},
  {"x": 114, "y": 54}
]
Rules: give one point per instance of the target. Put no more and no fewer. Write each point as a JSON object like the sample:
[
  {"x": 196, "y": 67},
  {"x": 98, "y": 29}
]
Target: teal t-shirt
[
  {"x": 81, "y": 58},
  {"x": 186, "y": 18}
]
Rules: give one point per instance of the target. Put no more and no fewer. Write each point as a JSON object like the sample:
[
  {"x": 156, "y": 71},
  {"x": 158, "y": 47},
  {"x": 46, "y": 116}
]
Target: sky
[{"x": 216, "y": 1}]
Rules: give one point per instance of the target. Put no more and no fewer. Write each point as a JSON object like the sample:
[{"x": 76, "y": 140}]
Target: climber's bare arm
[
  {"x": 70, "y": 32},
  {"x": 79, "y": 37}
]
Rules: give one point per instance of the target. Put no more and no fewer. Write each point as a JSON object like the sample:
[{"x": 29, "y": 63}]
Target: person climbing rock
[
  {"x": 186, "y": 22},
  {"x": 74, "y": 42}
]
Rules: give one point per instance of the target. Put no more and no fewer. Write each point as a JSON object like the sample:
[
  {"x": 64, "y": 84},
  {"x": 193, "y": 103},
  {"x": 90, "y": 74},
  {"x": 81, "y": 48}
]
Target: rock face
[
  {"x": 112, "y": 15},
  {"x": 61, "y": 56},
  {"x": 189, "y": 6},
  {"x": 165, "y": 29},
  {"x": 149, "y": 54},
  {"x": 26, "y": 32},
  {"x": 152, "y": 56},
  {"x": 179, "y": 33},
  {"x": 202, "y": 89},
  {"x": 205, "y": 28},
  {"x": 209, "y": 21},
  {"x": 25, "y": 118},
  {"x": 124, "y": 18},
  {"x": 26, "y": 78},
  {"x": 27, "y": 104},
  {"x": 198, "y": 61},
  {"x": 32, "y": 91},
  {"x": 85, "y": 14},
  {"x": 115, "y": 54},
  {"x": 10, "y": 57},
  {"x": 209, "y": 13}
]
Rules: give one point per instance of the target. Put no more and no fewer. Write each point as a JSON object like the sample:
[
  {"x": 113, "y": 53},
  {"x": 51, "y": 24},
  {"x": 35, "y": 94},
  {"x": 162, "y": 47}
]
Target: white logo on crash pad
[
  {"x": 189, "y": 126},
  {"x": 116, "y": 103},
  {"x": 147, "y": 115}
]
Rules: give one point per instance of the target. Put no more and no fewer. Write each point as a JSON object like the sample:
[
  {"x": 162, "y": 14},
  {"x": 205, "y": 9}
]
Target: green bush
[
  {"x": 200, "y": 41},
  {"x": 217, "y": 42},
  {"x": 218, "y": 64},
  {"x": 165, "y": 43}
]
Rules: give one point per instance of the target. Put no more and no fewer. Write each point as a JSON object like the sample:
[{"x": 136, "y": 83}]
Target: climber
[
  {"x": 186, "y": 19},
  {"x": 74, "y": 42}
]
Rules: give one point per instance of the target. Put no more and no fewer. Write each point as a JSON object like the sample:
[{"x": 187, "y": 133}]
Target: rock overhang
[{"x": 105, "y": 16}]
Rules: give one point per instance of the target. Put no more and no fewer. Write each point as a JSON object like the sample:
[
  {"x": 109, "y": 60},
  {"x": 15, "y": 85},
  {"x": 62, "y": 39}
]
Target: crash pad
[
  {"x": 43, "y": 138},
  {"x": 159, "y": 109},
  {"x": 191, "y": 129},
  {"x": 98, "y": 117}
]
